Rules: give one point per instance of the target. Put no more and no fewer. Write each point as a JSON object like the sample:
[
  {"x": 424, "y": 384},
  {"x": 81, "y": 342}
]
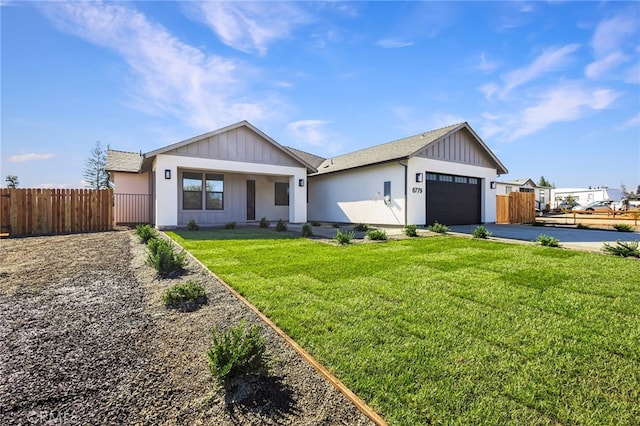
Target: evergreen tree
[
  {"x": 94, "y": 172},
  {"x": 544, "y": 182},
  {"x": 12, "y": 181}
]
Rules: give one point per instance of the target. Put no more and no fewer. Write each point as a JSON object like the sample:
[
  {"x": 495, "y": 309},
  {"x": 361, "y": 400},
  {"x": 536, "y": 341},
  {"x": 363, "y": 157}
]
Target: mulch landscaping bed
[{"x": 85, "y": 339}]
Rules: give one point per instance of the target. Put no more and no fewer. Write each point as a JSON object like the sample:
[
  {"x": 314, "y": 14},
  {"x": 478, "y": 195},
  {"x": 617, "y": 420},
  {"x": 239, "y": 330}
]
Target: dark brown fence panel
[
  {"x": 5, "y": 221},
  {"x": 132, "y": 208},
  {"x": 55, "y": 211}
]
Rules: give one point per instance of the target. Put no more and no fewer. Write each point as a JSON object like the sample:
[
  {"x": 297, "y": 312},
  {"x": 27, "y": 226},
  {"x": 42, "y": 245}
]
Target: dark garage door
[{"x": 452, "y": 200}]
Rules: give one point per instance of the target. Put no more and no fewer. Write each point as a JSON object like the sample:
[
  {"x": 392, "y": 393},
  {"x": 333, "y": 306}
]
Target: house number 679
[{"x": 417, "y": 190}]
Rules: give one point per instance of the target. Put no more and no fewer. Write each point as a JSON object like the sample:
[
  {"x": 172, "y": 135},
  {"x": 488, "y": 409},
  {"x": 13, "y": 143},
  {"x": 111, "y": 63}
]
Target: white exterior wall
[
  {"x": 417, "y": 202},
  {"x": 167, "y": 190},
  {"x": 585, "y": 196},
  {"x": 356, "y": 196},
  {"x": 130, "y": 183}
]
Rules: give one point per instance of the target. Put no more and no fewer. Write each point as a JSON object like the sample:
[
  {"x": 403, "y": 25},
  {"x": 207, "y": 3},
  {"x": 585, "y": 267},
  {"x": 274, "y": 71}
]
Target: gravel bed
[{"x": 85, "y": 339}]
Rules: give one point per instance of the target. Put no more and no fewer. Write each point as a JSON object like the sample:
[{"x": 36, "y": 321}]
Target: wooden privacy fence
[
  {"x": 130, "y": 209},
  {"x": 55, "y": 211},
  {"x": 516, "y": 207}
]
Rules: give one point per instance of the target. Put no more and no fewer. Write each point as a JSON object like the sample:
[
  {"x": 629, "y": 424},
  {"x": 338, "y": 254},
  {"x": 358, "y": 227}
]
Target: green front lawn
[{"x": 450, "y": 330}]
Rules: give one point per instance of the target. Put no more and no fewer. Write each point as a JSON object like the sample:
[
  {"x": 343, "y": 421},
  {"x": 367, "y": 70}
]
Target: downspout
[{"x": 406, "y": 171}]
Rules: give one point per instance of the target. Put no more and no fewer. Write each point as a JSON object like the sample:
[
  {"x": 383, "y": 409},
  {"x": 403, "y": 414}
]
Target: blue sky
[{"x": 553, "y": 88}]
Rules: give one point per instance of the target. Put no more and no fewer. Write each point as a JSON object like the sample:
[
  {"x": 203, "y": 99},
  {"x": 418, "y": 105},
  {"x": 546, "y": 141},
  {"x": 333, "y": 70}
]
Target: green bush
[
  {"x": 439, "y": 228},
  {"x": 230, "y": 225},
  {"x": 376, "y": 235},
  {"x": 344, "y": 237},
  {"x": 582, "y": 226},
  {"x": 307, "y": 231},
  {"x": 163, "y": 259},
  {"x": 192, "y": 225},
  {"x": 186, "y": 297},
  {"x": 481, "y": 232},
  {"x": 622, "y": 248},
  {"x": 548, "y": 241},
  {"x": 360, "y": 227},
  {"x": 315, "y": 223},
  {"x": 411, "y": 230},
  {"x": 145, "y": 233},
  {"x": 264, "y": 223},
  {"x": 623, "y": 227},
  {"x": 281, "y": 226},
  {"x": 238, "y": 352}
]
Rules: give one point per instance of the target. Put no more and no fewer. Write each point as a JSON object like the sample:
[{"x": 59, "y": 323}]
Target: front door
[{"x": 251, "y": 200}]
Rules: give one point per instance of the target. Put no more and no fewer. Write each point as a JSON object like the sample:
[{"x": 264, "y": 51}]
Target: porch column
[
  {"x": 298, "y": 198},
  {"x": 166, "y": 192}
]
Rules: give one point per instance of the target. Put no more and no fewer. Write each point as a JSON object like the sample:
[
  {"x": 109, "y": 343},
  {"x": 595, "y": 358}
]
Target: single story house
[
  {"x": 542, "y": 193},
  {"x": 239, "y": 174}
]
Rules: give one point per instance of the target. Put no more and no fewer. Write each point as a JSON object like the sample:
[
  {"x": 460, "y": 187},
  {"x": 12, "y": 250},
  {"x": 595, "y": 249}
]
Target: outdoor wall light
[
  {"x": 418, "y": 177},
  {"x": 167, "y": 174},
  {"x": 300, "y": 182},
  {"x": 493, "y": 185}
]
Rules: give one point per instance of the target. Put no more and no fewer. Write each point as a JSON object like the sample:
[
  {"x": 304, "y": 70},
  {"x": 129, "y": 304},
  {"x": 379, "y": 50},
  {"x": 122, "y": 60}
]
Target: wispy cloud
[
  {"x": 610, "y": 40},
  {"x": 23, "y": 158},
  {"x": 309, "y": 132},
  {"x": 393, "y": 43},
  {"x": 631, "y": 123},
  {"x": 172, "y": 77},
  {"x": 566, "y": 102},
  {"x": 486, "y": 65},
  {"x": 251, "y": 26},
  {"x": 551, "y": 59}
]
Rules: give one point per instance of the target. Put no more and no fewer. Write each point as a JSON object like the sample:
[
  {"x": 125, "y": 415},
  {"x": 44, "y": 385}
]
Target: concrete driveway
[{"x": 582, "y": 239}]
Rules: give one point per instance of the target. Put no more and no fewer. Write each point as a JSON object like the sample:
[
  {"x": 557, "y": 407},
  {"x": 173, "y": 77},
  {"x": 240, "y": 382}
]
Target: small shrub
[
  {"x": 238, "y": 352},
  {"x": 315, "y": 223},
  {"x": 163, "y": 259},
  {"x": 336, "y": 225},
  {"x": 376, "y": 235},
  {"x": 411, "y": 231},
  {"x": 360, "y": 227},
  {"x": 582, "y": 226},
  {"x": 622, "y": 248},
  {"x": 537, "y": 223},
  {"x": 548, "y": 241},
  {"x": 439, "y": 228},
  {"x": 344, "y": 237},
  {"x": 306, "y": 230},
  {"x": 230, "y": 225},
  {"x": 264, "y": 223},
  {"x": 145, "y": 233},
  {"x": 192, "y": 225},
  {"x": 481, "y": 232},
  {"x": 623, "y": 227},
  {"x": 186, "y": 297},
  {"x": 281, "y": 226}
]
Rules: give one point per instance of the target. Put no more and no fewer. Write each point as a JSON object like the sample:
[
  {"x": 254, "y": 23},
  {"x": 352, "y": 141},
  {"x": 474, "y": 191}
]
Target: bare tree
[
  {"x": 12, "y": 181},
  {"x": 94, "y": 172}
]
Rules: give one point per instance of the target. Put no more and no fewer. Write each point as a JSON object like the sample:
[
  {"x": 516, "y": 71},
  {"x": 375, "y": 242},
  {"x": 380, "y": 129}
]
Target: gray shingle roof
[
  {"x": 311, "y": 159},
  {"x": 121, "y": 161},
  {"x": 518, "y": 182},
  {"x": 389, "y": 151}
]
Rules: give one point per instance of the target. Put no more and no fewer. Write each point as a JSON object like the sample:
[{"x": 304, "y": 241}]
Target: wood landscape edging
[{"x": 333, "y": 380}]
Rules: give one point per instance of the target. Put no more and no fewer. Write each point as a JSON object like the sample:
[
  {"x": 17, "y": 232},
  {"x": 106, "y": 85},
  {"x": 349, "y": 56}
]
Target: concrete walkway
[{"x": 581, "y": 239}]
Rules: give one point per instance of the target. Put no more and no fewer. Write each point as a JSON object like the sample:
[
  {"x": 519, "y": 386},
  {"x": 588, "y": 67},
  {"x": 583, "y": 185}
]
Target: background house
[{"x": 542, "y": 193}]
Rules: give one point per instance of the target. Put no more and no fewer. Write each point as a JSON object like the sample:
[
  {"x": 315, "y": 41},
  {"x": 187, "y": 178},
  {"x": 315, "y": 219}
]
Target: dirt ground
[{"x": 85, "y": 339}]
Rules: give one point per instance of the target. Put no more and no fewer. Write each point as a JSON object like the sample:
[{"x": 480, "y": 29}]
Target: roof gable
[
  {"x": 238, "y": 142},
  {"x": 438, "y": 144}
]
